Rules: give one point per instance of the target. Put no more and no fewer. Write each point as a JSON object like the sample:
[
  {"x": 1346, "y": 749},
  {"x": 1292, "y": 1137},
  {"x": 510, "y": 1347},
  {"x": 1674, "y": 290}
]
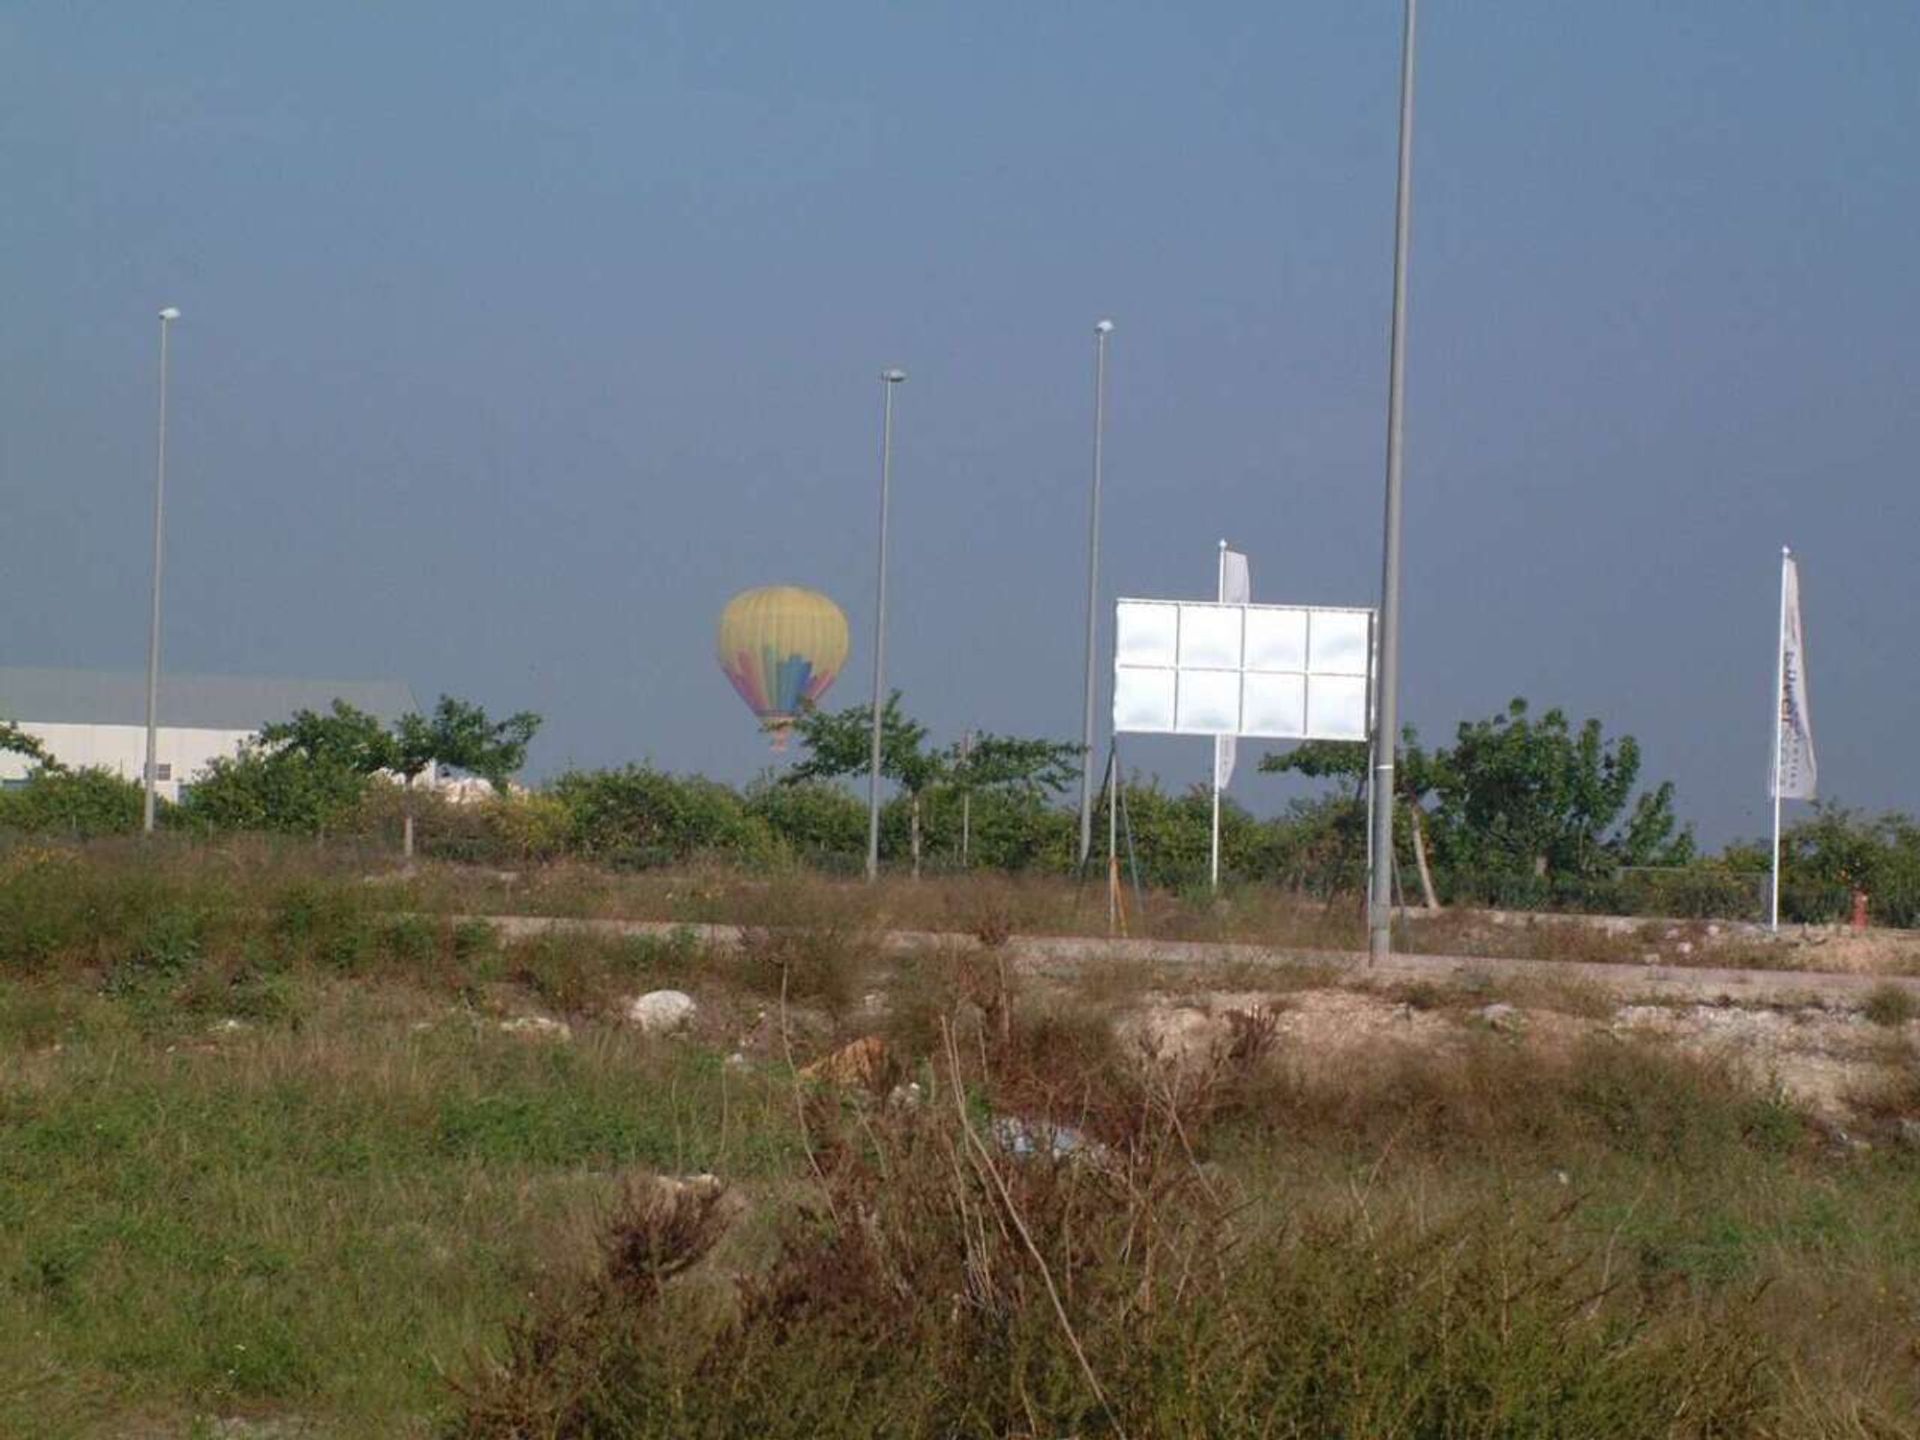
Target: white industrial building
[{"x": 99, "y": 718}]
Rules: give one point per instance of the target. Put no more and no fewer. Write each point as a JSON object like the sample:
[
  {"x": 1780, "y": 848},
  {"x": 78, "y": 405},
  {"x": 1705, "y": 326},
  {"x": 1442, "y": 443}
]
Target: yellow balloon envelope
[{"x": 782, "y": 646}]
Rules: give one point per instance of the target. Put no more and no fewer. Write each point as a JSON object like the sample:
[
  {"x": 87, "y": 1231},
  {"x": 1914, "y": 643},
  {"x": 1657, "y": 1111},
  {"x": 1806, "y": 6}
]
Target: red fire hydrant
[{"x": 1859, "y": 909}]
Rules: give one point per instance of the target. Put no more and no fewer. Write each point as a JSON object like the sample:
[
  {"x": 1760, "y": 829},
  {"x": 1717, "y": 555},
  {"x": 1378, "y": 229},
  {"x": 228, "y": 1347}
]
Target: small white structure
[
  {"x": 465, "y": 789},
  {"x": 99, "y": 718}
]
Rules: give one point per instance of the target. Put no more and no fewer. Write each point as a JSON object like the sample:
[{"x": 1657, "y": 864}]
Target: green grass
[
  {"x": 321, "y": 1217},
  {"x": 367, "y": 1207}
]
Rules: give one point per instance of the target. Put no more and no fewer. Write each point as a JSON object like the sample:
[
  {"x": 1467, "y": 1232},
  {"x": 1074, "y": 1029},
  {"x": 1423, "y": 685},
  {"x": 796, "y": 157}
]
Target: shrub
[
  {"x": 284, "y": 791},
  {"x": 640, "y": 816},
  {"x": 821, "y": 965},
  {"x": 568, "y": 972},
  {"x": 1890, "y": 1005},
  {"x": 312, "y": 922},
  {"x": 819, "y": 821},
  {"x": 527, "y": 827},
  {"x": 77, "y": 803},
  {"x": 946, "y": 1287},
  {"x": 1006, "y": 830}
]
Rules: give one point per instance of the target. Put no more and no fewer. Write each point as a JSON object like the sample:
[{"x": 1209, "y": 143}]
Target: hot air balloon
[{"x": 781, "y": 646}]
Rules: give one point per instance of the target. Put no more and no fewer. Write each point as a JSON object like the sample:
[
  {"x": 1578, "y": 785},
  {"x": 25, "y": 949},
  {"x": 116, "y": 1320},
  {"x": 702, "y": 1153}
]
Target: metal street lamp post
[
  {"x": 888, "y": 379},
  {"x": 167, "y": 317},
  {"x": 1100, "y": 333},
  {"x": 1386, "y": 735}
]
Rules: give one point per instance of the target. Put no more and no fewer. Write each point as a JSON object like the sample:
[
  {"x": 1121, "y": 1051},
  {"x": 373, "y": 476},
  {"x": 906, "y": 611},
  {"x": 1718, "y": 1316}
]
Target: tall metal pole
[
  {"x": 1100, "y": 333},
  {"x": 1779, "y": 721},
  {"x": 1387, "y": 732},
  {"x": 167, "y": 317},
  {"x": 888, "y": 379}
]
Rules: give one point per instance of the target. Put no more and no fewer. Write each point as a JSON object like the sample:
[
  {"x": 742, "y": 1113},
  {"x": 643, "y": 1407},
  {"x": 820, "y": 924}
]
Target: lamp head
[
  {"x": 170, "y": 313},
  {"x": 894, "y": 376},
  {"x": 1105, "y": 327}
]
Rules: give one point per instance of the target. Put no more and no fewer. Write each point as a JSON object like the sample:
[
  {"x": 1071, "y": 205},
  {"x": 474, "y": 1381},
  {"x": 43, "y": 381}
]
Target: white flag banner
[
  {"x": 1236, "y": 588},
  {"x": 1794, "y": 773}
]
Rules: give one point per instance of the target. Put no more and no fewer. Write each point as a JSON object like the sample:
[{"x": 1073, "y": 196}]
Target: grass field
[
  {"x": 272, "y": 1163},
  {"x": 369, "y": 879}
]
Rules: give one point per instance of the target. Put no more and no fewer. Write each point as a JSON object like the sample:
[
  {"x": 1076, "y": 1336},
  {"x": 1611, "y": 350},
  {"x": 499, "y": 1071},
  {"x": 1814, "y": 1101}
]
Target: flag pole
[
  {"x": 1216, "y": 823},
  {"x": 1779, "y": 719},
  {"x": 1220, "y": 593},
  {"x": 1113, "y": 836}
]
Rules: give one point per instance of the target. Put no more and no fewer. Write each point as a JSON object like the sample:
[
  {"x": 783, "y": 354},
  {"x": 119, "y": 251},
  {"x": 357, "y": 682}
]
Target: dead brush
[
  {"x": 559, "y": 1357},
  {"x": 1061, "y": 1063},
  {"x": 824, "y": 965},
  {"x": 1252, "y": 1034},
  {"x": 568, "y": 973},
  {"x": 937, "y": 1281},
  {"x": 985, "y": 910},
  {"x": 986, "y": 980},
  {"x": 1893, "y": 1098},
  {"x": 662, "y": 1229}
]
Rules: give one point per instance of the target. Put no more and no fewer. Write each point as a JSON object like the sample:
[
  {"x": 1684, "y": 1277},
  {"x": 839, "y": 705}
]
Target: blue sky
[{"x": 516, "y": 338}]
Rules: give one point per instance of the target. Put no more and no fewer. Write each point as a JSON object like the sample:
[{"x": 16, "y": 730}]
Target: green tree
[
  {"x": 1536, "y": 799},
  {"x": 305, "y": 774},
  {"x": 15, "y": 741},
  {"x": 341, "y": 737},
  {"x": 839, "y": 745},
  {"x": 1834, "y": 852},
  {"x": 1007, "y": 781},
  {"x": 1034, "y": 770},
  {"x": 460, "y": 736},
  {"x": 1320, "y": 845},
  {"x": 1415, "y": 776}
]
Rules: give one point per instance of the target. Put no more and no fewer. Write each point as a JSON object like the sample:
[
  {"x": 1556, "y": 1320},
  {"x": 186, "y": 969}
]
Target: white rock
[
  {"x": 663, "y": 1012},
  {"x": 1501, "y": 1016},
  {"x": 705, "y": 1183}
]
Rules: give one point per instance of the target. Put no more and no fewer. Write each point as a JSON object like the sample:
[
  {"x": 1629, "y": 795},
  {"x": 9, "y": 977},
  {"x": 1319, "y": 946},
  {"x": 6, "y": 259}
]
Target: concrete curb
[{"x": 1063, "y": 954}]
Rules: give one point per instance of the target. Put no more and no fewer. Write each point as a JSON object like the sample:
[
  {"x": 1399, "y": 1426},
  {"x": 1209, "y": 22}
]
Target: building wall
[{"x": 181, "y": 752}]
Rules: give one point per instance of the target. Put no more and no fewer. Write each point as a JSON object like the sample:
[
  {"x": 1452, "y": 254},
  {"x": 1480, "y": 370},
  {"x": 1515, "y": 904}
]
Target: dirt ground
[
  {"x": 1823, "y": 1058},
  {"x": 1836, "y": 949}
]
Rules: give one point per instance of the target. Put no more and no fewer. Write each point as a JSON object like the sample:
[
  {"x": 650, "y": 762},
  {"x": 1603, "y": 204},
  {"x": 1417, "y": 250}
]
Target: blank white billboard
[{"x": 1279, "y": 672}]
